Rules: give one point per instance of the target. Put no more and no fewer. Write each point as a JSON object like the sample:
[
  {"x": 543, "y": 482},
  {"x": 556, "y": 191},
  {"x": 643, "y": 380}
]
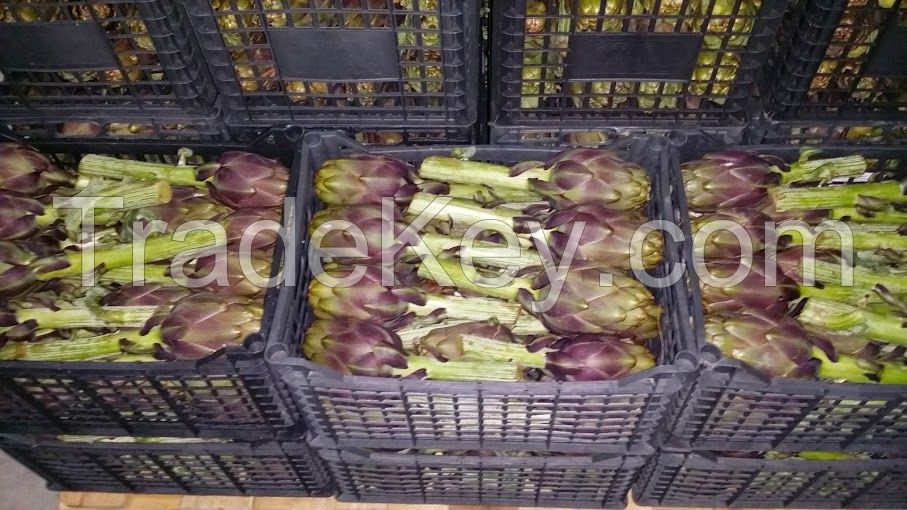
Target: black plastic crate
[
  {"x": 482, "y": 478},
  {"x": 420, "y": 135},
  {"x": 231, "y": 394},
  {"x": 220, "y": 468},
  {"x": 118, "y": 56},
  {"x": 335, "y": 63},
  {"x": 830, "y": 132},
  {"x": 712, "y": 479},
  {"x": 731, "y": 407},
  {"x": 841, "y": 59},
  {"x": 607, "y": 61},
  {"x": 106, "y": 128},
  {"x": 593, "y": 137},
  {"x": 623, "y": 416}
]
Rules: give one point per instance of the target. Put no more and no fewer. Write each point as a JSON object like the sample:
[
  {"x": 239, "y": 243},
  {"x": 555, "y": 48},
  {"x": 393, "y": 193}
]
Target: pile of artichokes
[
  {"x": 793, "y": 312},
  {"x": 403, "y": 304},
  {"x": 132, "y": 310}
]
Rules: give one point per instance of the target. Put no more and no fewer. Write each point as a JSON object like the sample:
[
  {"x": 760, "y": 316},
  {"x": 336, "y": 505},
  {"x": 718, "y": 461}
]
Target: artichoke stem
[
  {"x": 831, "y": 272},
  {"x": 847, "y": 368},
  {"x": 71, "y": 318},
  {"x": 461, "y": 211},
  {"x": 483, "y": 252},
  {"x": 455, "y": 274},
  {"x": 461, "y": 370},
  {"x": 529, "y": 325},
  {"x": 825, "y": 169},
  {"x": 446, "y": 169},
  {"x": 475, "y": 192},
  {"x": 151, "y": 273},
  {"x": 115, "y": 168},
  {"x": 829, "y": 197},
  {"x": 854, "y": 214},
  {"x": 82, "y": 348},
  {"x": 834, "y": 316},
  {"x": 893, "y": 373},
  {"x": 477, "y": 347},
  {"x": 474, "y": 309},
  {"x": 156, "y": 248}
]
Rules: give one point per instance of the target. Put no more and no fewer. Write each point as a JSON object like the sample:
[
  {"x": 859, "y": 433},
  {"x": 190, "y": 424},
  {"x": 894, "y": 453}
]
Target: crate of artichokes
[
  {"x": 808, "y": 479},
  {"x": 137, "y": 289},
  {"x": 626, "y": 61},
  {"x": 83, "y": 56},
  {"x": 376, "y": 63},
  {"x": 169, "y": 465},
  {"x": 841, "y": 59},
  {"x": 796, "y": 255},
  {"x": 434, "y": 316}
]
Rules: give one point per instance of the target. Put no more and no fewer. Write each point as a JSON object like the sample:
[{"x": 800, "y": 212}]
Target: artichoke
[
  {"x": 753, "y": 291},
  {"x": 602, "y": 94},
  {"x": 714, "y": 78},
  {"x": 656, "y": 94},
  {"x": 773, "y": 344},
  {"x": 606, "y": 239},
  {"x": 584, "y": 305},
  {"x": 735, "y": 26},
  {"x": 230, "y": 278},
  {"x": 332, "y": 227},
  {"x": 27, "y": 171},
  {"x": 592, "y": 357},
  {"x": 354, "y": 347},
  {"x": 200, "y": 324},
  {"x": 597, "y": 15},
  {"x": 21, "y": 216},
  {"x": 364, "y": 178},
  {"x": 447, "y": 343},
  {"x": 145, "y": 294},
  {"x": 723, "y": 243},
  {"x": 241, "y": 179},
  {"x": 238, "y": 222}
]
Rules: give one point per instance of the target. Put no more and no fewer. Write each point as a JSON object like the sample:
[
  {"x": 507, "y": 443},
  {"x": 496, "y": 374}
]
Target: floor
[{"x": 21, "y": 489}]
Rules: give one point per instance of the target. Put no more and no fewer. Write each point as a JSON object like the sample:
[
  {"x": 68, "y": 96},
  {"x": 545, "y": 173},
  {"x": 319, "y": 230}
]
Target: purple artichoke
[
  {"x": 606, "y": 237},
  {"x": 245, "y": 180},
  {"x": 586, "y": 305},
  {"x": 239, "y": 221},
  {"x": 21, "y": 216},
  {"x": 356, "y": 347},
  {"x": 723, "y": 243},
  {"x": 773, "y": 344},
  {"x": 582, "y": 176},
  {"x": 334, "y": 223},
  {"x": 364, "y": 178},
  {"x": 202, "y": 323},
  {"x": 593, "y": 357},
  {"x": 230, "y": 278},
  {"x": 754, "y": 291},
  {"x": 367, "y": 299},
  {"x": 25, "y": 170},
  {"x": 728, "y": 179}
]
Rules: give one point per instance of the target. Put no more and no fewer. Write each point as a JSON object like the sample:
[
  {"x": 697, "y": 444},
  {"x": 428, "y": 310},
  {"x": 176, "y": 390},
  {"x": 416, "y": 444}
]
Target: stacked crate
[
  {"x": 390, "y": 72},
  {"x": 562, "y": 444}
]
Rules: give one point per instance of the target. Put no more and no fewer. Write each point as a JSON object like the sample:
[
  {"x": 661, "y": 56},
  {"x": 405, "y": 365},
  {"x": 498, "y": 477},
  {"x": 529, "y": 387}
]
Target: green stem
[
  {"x": 484, "y": 194},
  {"x": 461, "y": 370},
  {"x": 115, "y": 168},
  {"x": 450, "y": 273},
  {"x": 825, "y": 169},
  {"x": 150, "y": 273},
  {"x": 483, "y": 252},
  {"x": 474, "y": 309},
  {"x": 829, "y": 197},
  {"x": 859, "y": 215},
  {"x": 893, "y": 372},
  {"x": 529, "y": 325},
  {"x": 83, "y": 317},
  {"x": 847, "y": 368},
  {"x": 477, "y": 347},
  {"x": 857, "y": 240},
  {"x": 831, "y": 272},
  {"x": 497, "y": 177},
  {"x": 462, "y": 212},
  {"x": 841, "y": 317},
  {"x": 156, "y": 248},
  {"x": 79, "y": 349}
]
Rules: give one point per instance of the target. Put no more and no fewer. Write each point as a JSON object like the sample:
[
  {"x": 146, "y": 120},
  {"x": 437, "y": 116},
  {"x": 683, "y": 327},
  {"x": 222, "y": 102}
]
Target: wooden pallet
[{"x": 99, "y": 501}]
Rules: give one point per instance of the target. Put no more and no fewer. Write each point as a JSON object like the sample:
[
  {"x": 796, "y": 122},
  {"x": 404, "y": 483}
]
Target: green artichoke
[
  {"x": 592, "y": 357},
  {"x": 364, "y": 178}
]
